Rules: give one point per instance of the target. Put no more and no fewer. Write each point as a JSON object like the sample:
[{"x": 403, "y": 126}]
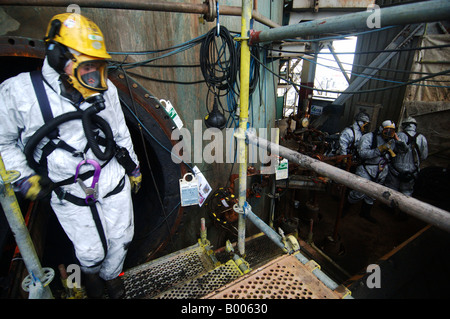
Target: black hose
[
  {"x": 88, "y": 119},
  {"x": 88, "y": 126},
  {"x": 218, "y": 61},
  {"x": 254, "y": 67}
]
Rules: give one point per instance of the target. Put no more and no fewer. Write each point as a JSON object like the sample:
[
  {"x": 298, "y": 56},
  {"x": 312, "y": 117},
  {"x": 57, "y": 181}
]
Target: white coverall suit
[
  {"x": 349, "y": 139},
  {"x": 21, "y": 116},
  {"x": 404, "y": 168},
  {"x": 374, "y": 166}
]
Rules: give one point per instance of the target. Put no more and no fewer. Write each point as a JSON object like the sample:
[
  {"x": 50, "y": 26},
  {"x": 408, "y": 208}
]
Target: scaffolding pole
[
  {"x": 243, "y": 119},
  {"x": 16, "y": 222},
  {"x": 423, "y": 211},
  {"x": 425, "y": 11}
]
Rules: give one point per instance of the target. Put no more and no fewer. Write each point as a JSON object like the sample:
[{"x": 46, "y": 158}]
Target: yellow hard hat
[
  {"x": 387, "y": 129},
  {"x": 79, "y": 33}
]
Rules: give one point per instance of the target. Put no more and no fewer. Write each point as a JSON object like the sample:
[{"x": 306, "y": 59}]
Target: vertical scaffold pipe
[
  {"x": 16, "y": 222},
  {"x": 243, "y": 116}
]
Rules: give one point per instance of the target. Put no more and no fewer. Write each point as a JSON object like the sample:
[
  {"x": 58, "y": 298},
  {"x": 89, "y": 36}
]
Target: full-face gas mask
[
  {"x": 89, "y": 75},
  {"x": 73, "y": 37},
  {"x": 387, "y": 130},
  {"x": 363, "y": 120}
]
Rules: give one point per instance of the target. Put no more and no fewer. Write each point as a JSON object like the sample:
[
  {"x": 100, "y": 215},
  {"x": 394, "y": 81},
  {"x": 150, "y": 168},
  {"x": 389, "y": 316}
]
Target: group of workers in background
[{"x": 383, "y": 156}]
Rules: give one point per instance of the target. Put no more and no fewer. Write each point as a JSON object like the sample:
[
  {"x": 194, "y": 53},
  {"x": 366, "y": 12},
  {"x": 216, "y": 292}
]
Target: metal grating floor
[
  {"x": 152, "y": 278},
  {"x": 205, "y": 283},
  {"x": 284, "y": 278},
  {"x": 190, "y": 273}
]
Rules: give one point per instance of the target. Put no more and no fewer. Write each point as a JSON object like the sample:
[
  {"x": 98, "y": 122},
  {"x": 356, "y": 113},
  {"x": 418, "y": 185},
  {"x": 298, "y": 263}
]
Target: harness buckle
[{"x": 92, "y": 191}]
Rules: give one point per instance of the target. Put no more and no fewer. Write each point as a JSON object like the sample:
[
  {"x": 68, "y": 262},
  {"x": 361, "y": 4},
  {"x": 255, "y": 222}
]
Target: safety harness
[
  {"x": 381, "y": 165},
  {"x": 408, "y": 176},
  {"x": 91, "y": 192},
  {"x": 352, "y": 149}
]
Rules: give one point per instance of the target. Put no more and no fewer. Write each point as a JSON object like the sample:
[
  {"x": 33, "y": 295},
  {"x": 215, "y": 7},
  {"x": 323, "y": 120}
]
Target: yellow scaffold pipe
[
  {"x": 16, "y": 222},
  {"x": 243, "y": 117}
]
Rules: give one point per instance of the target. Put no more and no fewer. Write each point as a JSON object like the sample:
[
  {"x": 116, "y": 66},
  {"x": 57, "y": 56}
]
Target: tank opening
[{"x": 154, "y": 225}]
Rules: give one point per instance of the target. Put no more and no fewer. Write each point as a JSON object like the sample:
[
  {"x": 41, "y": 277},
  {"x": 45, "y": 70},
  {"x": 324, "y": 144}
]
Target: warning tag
[{"x": 189, "y": 190}]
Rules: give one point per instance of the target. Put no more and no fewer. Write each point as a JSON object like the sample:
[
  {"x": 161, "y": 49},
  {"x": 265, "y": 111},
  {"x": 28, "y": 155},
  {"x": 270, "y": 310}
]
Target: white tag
[
  {"x": 281, "y": 171},
  {"x": 172, "y": 113},
  {"x": 203, "y": 186},
  {"x": 224, "y": 203},
  {"x": 189, "y": 190}
]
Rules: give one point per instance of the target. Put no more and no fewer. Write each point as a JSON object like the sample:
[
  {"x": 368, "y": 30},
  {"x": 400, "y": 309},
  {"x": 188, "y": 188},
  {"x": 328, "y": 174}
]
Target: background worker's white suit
[
  {"x": 404, "y": 168},
  {"x": 350, "y": 136},
  {"x": 21, "y": 116}
]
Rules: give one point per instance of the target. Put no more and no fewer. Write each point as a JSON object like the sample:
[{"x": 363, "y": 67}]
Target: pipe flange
[{"x": 47, "y": 278}]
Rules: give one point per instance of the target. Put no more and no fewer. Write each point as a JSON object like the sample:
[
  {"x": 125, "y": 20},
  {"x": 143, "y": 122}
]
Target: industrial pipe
[
  {"x": 16, "y": 222},
  {"x": 278, "y": 240},
  {"x": 207, "y": 8},
  {"x": 243, "y": 118},
  {"x": 426, "y": 11},
  {"x": 423, "y": 211},
  {"x": 266, "y": 229}
]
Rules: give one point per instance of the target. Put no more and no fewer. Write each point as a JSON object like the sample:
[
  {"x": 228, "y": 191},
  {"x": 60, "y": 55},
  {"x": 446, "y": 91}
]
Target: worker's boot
[
  {"x": 365, "y": 212},
  {"x": 115, "y": 288},
  {"x": 94, "y": 286}
]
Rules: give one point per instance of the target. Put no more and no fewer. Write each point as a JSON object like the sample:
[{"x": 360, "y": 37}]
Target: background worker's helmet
[
  {"x": 409, "y": 120},
  {"x": 362, "y": 116},
  {"x": 387, "y": 129},
  {"x": 79, "y": 33},
  {"x": 363, "y": 120}
]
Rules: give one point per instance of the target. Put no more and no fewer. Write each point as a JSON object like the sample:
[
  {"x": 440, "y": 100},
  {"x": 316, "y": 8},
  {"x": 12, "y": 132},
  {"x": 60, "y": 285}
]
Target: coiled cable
[{"x": 218, "y": 60}]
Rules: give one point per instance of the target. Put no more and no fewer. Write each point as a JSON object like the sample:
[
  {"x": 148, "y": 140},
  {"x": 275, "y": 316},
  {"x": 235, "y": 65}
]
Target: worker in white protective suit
[
  {"x": 350, "y": 136},
  {"x": 96, "y": 211},
  {"x": 376, "y": 149},
  {"x": 404, "y": 168}
]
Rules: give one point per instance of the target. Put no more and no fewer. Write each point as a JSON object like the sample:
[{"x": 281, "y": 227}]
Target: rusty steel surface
[
  {"x": 284, "y": 278},
  {"x": 21, "y": 47}
]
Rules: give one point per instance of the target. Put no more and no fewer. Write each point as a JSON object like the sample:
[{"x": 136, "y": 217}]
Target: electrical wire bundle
[
  {"x": 232, "y": 96},
  {"x": 169, "y": 51},
  {"x": 218, "y": 60},
  {"x": 254, "y": 67},
  {"x": 218, "y": 63}
]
